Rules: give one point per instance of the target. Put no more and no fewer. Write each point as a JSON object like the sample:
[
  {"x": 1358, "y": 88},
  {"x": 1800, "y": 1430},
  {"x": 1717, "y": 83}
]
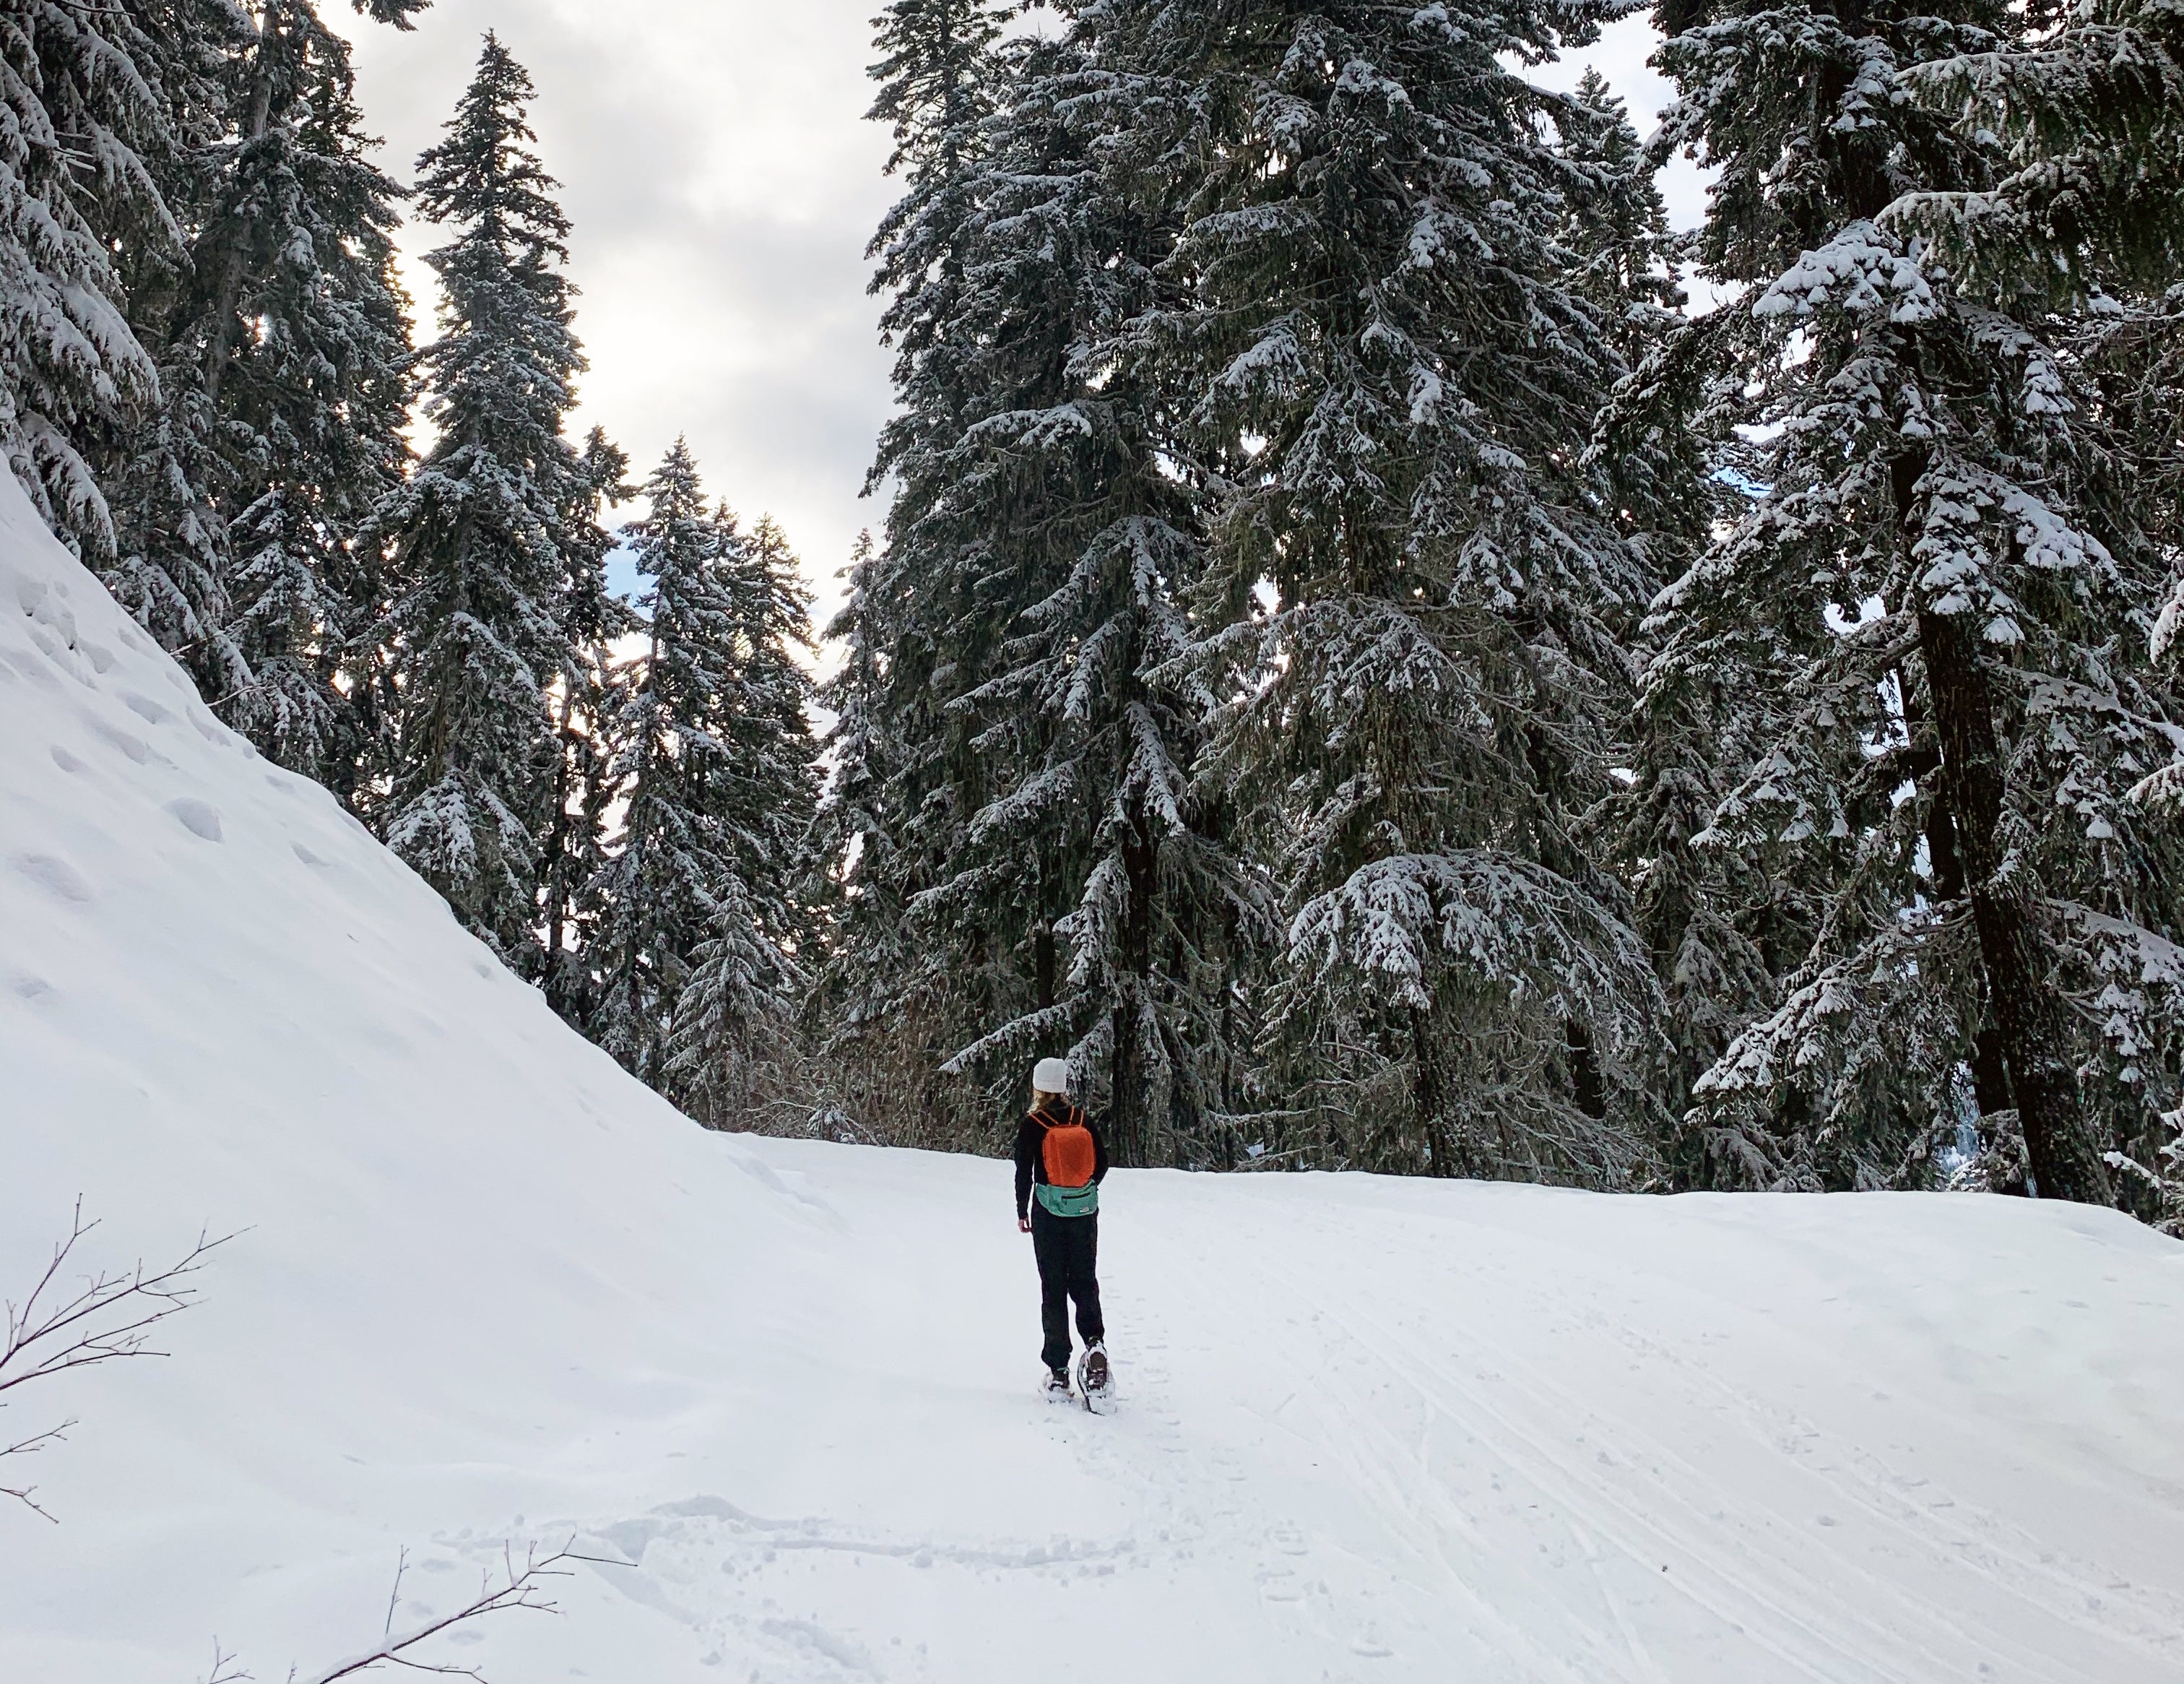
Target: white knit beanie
[{"x": 1050, "y": 1076}]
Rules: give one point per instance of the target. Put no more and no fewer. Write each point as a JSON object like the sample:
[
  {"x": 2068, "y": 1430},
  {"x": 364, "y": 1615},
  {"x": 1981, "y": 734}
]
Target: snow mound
[{"x": 491, "y": 1289}]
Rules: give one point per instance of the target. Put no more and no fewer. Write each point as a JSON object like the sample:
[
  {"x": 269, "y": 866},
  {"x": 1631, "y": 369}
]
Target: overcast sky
[{"x": 722, "y": 185}]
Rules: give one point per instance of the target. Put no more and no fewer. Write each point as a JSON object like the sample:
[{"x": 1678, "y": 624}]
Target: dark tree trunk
[
  {"x": 1430, "y": 1097},
  {"x": 228, "y": 293},
  {"x": 1043, "y": 965},
  {"x": 1991, "y": 1089},
  {"x": 559, "y": 891},
  {"x": 1990, "y": 1068},
  {"x": 1586, "y": 1084},
  {"x": 1131, "y": 1128},
  {"x": 2028, "y": 1016}
]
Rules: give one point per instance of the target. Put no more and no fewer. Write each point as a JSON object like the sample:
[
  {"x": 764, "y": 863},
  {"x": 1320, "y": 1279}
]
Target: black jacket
[{"x": 1031, "y": 1153}]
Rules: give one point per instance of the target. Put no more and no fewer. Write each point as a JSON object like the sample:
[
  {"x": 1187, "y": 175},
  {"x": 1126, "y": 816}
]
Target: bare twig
[
  {"x": 49, "y": 1335},
  {"x": 516, "y": 1588},
  {"x": 226, "y": 1669},
  {"x": 109, "y": 1318},
  {"x": 30, "y": 1446}
]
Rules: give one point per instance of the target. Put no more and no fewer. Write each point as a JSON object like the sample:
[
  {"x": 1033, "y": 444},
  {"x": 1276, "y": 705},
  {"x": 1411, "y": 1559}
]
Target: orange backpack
[{"x": 1067, "y": 1152}]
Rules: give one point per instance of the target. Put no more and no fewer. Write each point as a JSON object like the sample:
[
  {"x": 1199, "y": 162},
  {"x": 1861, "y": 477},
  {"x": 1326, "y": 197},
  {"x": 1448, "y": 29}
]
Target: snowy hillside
[{"x": 1372, "y": 1431}]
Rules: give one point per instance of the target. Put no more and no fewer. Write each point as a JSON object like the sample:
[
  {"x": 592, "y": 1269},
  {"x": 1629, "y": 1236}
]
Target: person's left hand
[{"x": 1023, "y": 1224}]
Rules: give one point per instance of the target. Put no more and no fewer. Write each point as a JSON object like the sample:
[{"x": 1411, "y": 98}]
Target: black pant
[{"x": 1067, "y": 1248}]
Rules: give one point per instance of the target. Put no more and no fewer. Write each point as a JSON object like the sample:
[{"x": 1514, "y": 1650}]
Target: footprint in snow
[
  {"x": 199, "y": 818},
  {"x": 133, "y": 747},
  {"x": 57, "y": 876}
]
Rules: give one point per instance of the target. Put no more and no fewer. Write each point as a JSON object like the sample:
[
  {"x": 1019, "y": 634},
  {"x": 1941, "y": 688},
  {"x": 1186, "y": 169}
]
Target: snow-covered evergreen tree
[
  {"x": 1618, "y": 230},
  {"x": 730, "y": 1050},
  {"x": 1024, "y": 866},
  {"x": 1721, "y": 926},
  {"x": 1938, "y": 607},
  {"x": 316, "y": 358},
  {"x": 756, "y": 790},
  {"x": 2087, "y": 212},
  {"x": 575, "y": 849},
  {"x": 873, "y": 999},
  {"x": 938, "y": 77},
  {"x": 86, "y": 111},
  {"x": 660, "y": 893},
  {"x": 1389, "y": 384},
  {"x": 1096, "y": 871},
  {"x": 168, "y": 561},
  {"x": 480, "y": 535},
  {"x": 899, "y": 1006},
  {"x": 282, "y": 350},
  {"x": 849, "y": 831}
]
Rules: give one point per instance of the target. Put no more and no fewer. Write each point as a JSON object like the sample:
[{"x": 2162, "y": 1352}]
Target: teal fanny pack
[{"x": 1067, "y": 1201}]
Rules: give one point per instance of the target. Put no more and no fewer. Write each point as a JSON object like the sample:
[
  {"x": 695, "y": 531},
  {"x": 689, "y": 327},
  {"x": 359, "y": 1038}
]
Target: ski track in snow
[
  {"x": 1366, "y": 1431},
  {"x": 1346, "y": 1487}
]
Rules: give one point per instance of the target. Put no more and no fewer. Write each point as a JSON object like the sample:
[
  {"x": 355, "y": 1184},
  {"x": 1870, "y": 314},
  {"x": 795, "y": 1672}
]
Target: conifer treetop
[
  {"x": 931, "y": 90},
  {"x": 397, "y": 13},
  {"x": 485, "y": 174}
]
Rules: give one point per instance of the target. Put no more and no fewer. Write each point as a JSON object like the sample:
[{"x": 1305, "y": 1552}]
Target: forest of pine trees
[
  {"x": 1360, "y": 664},
  {"x": 1353, "y": 657}
]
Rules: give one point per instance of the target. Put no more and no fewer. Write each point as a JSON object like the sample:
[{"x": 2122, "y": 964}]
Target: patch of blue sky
[{"x": 624, "y": 579}]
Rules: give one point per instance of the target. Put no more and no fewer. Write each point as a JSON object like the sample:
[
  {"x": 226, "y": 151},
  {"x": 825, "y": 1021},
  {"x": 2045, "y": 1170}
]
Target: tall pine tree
[
  {"x": 1722, "y": 924},
  {"x": 1938, "y": 602},
  {"x": 86, "y": 118},
  {"x": 284, "y": 356},
  {"x": 1389, "y": 383},
  {"x": 660, "y": 892},
  {"x": 481, "y": 535},
  {"x": 311, "y": 360},
  {"x": 899, "y": 1006},
  {"x": 1115, "y": 914},
  {"x": 267, "y": 302},
  {"x": 575, "y": 849},
  {"x": 730, "y": 1046}
]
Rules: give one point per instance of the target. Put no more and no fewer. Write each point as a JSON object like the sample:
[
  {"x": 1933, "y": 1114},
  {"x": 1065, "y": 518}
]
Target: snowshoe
[
  {"x": 1055, "y": 1388},
  {"x": 1095, "y": 1379}
]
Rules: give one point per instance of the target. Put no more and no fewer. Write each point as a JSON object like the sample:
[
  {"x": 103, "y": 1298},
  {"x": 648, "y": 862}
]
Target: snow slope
[{"x": 1372, "y": 1431}]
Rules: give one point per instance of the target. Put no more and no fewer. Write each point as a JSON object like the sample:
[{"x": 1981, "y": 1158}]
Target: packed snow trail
[{"x": 491, "y": 1289}]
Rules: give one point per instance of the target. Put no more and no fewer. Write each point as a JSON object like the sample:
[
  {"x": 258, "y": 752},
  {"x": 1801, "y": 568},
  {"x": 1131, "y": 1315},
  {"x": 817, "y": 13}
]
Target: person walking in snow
[{"x": 1061, "y": 1161}]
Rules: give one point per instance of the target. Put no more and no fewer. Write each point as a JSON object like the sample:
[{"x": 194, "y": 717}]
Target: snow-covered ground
[{"x": 491, "y": 1289}]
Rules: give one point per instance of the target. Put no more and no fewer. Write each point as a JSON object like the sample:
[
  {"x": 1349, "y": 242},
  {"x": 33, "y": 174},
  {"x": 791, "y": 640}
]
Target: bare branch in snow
[
  {"x": 106, "y": 1319},
  {"x": 226, "y": 1669},
  {"x": 523, "y": 1587},
  {"x": 30, "y": 1446},
  {"x": 110, "y": 1316}
]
